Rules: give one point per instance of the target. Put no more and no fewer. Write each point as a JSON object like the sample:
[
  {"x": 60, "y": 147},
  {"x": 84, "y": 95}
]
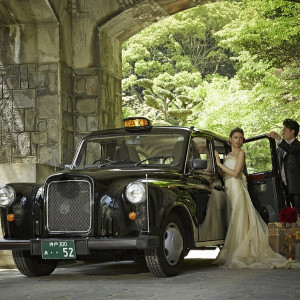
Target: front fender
[
  {"x": 172, "y": 198},
  {"x": 22, "y": 210}
]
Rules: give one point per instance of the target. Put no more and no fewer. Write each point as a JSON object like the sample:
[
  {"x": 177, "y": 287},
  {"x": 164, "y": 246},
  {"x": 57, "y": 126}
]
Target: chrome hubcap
[{"x": 173, "y": 244}]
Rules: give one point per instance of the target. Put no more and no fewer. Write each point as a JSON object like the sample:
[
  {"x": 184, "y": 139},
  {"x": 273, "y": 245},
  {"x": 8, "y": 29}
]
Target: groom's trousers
[{"x": 294, "y": 200}]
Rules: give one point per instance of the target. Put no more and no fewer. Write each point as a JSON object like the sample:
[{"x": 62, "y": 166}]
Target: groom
[{"x": 289, "y": 160}]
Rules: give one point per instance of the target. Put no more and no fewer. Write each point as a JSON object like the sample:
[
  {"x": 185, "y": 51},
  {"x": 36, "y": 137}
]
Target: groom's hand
[{"x": 274, "y": 135}]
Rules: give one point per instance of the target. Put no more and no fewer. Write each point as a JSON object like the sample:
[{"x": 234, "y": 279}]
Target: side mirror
[
  {"x": 199, "y": 163},
  {"x": 196, "y": 164}
]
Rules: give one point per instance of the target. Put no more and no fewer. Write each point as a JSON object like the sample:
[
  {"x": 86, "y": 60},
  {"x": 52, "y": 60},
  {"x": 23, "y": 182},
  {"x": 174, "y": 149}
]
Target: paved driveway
[{"x": 199, "y": 279}]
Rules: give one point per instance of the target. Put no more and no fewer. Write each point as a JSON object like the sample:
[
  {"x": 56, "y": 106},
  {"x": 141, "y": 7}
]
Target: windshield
[{"x": 147, "y": 149}]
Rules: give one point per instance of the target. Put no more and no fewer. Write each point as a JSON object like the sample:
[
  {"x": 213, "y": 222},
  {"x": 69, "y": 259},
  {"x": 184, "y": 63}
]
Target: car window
[
  {"x": 145, "y": 149},
  {"x": 221, "y": 148},
  {"x": 201, "y": 148},
  {"x": 258, "y": 156}
]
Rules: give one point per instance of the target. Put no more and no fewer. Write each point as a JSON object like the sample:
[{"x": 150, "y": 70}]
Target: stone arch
[
  {"x": 139, "y": 14},
  {"x": 61, "y": 72},
  {"x": 60, "y": 76}
]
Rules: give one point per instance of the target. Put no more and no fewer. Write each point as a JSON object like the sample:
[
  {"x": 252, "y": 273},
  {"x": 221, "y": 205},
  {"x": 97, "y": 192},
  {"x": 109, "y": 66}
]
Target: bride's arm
[{"x": 240, "y": 161}]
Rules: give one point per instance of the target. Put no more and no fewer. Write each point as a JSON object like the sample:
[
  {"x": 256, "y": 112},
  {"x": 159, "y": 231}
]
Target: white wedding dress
[{"x": 246, "y": 244}]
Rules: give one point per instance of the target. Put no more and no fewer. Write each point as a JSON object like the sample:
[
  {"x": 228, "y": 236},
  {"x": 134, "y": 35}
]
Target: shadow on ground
[{"x": 126, "y": 268}]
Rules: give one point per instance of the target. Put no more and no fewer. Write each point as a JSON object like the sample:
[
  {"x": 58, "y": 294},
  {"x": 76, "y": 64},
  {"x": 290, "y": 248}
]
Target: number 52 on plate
[{"x": 58, "y": 249}]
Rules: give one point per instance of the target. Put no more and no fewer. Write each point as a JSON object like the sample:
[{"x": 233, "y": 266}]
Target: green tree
[
  {"x": 182, "y": 43},
  {"x": 266, "y": 41},
  {"x": 170, "y": 95},
  {"x": 263, "y": 39}
]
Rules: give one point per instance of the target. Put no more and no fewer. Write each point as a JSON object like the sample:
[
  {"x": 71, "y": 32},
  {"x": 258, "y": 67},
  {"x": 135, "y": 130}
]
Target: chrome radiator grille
[{"x": 69, "y": 206}]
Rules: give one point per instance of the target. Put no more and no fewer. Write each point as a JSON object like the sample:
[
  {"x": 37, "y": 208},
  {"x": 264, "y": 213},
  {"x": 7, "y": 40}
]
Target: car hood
[{"x": 115, "y": 173}]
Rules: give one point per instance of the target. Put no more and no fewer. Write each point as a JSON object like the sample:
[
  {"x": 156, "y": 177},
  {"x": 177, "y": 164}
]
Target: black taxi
[{"x": 136, "y": 192}]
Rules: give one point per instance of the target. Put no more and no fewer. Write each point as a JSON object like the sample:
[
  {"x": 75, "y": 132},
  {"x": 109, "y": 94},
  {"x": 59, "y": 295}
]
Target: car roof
[{"x": 158, "y": 129}]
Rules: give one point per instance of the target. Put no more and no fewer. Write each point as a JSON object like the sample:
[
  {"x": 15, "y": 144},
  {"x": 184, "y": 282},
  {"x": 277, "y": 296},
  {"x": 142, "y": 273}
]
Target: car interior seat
[
  {"x": 176, "y": 153},
  {"x": 126, "y": 153}
]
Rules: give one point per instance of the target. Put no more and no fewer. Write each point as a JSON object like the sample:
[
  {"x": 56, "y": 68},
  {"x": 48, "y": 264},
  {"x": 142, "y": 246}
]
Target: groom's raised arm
[{"x": 293, "y": 148}]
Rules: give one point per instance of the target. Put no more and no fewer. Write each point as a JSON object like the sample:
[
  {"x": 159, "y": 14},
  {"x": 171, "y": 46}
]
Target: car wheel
[
  {"x": 167, "y": 259},
  {"x": 32, "y": 266}
]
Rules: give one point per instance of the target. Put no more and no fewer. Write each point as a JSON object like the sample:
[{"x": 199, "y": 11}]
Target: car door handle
[{"x": 259, "y": 182}]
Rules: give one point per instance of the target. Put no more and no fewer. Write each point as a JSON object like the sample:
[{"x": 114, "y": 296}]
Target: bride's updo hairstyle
[{"x": 236, "y": 129}]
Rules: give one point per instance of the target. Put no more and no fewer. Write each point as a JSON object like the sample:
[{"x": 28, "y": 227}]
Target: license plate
[{"x": 58, "y": 249}]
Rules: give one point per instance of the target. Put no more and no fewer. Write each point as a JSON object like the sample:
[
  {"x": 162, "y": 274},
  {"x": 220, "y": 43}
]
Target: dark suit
[{"x": 291, "y": 162}]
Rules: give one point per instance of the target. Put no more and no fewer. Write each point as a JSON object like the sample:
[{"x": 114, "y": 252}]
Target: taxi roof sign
[{"x": 137, "y": 123}]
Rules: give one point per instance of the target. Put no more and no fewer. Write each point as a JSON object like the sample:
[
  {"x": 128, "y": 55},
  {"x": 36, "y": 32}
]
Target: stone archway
[
  {"x": 60, "y": 75},
  {"x": 61, "y": 72}
]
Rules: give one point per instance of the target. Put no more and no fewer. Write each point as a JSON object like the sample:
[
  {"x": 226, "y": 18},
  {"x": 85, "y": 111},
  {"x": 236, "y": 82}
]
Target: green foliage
[
  {"x": 266, "y": 42},
  {"x": 268, "y": 29},
  {"x": 170, "y": 95},
  {"x": 218, "y": 66},
  {"x": 176, "y": 54},
  {"x": 258, "y": 156},
  {"x": 183, "y": 42},
  {"x": 180, "y": 113},
  {"x": 152, "y": 102},
  {"x": 146, "y": 83},
  {"x": 127, "y": 112}
]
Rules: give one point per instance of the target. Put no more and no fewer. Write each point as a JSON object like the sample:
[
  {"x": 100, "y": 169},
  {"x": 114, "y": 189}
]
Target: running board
[{"x": 209, "y": 243}]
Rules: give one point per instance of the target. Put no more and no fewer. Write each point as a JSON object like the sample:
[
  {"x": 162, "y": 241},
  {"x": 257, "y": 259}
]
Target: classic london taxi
[{"x": 138, "y": 191}]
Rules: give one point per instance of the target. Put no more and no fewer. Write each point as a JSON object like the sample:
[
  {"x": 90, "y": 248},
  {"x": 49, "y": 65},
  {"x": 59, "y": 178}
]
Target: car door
[
  {"x": 263, "y": 176},
  {"x": 210, "y": 200}
]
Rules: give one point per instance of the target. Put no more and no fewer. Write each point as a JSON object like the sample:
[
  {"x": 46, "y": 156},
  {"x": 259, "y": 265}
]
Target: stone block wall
[
  {"x": 46, "y": 109},
  {"x": 66, "y": 114},
  {"x": 110, "y": 77},
  {"x": 86, "y": 102},
  {"x": 29, "y": 114}
]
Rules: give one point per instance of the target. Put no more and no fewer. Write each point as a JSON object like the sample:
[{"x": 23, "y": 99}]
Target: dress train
[{"x": 246, "y": 244}]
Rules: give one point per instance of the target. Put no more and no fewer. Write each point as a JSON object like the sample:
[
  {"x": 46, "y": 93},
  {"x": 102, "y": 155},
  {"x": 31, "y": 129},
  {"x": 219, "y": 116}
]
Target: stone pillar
[
  {"x": 52, "y": 94},
  {"x": 30, "y": 97},
  {"x": 110, "y": 74},
  {"x": 55, "y": 86},
  {"x": 86, "y": 102},
  {"x": 30, "y": 105}
]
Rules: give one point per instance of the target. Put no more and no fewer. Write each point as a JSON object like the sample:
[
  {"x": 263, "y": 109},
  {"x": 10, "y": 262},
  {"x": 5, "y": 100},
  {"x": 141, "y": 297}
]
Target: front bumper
[{"x": 84, "y": 245}]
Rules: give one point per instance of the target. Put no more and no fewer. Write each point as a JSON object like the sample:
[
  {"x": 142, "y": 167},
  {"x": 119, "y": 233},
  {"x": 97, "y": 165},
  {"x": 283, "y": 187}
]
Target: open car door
[{"x": 263, "y": 176}]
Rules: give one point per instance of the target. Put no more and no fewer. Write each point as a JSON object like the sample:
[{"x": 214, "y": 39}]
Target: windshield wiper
[
  {"x": 163, "y": 157},
  {"x": 112, "y": 162},
  {"x": 107, "y": 162}
]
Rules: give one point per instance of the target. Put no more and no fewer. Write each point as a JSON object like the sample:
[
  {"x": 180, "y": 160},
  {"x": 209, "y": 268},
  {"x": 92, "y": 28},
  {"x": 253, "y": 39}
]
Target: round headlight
[
  {"x": 135, "y": 192},
  {"x": 7, "y": 195}
]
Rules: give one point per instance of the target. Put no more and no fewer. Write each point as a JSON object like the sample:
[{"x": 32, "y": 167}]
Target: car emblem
[{"x": 64, "y": 208}]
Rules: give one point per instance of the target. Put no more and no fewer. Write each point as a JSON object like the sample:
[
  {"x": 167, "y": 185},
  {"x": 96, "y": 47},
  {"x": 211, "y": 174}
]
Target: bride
[{"x": 246, "y": 244}]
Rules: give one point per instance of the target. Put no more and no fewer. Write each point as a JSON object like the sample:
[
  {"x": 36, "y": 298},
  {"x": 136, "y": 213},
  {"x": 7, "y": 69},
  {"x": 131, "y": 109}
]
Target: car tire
[
  {"x": 167, "y": 259},
  {"x": 32, "y": 266}
]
